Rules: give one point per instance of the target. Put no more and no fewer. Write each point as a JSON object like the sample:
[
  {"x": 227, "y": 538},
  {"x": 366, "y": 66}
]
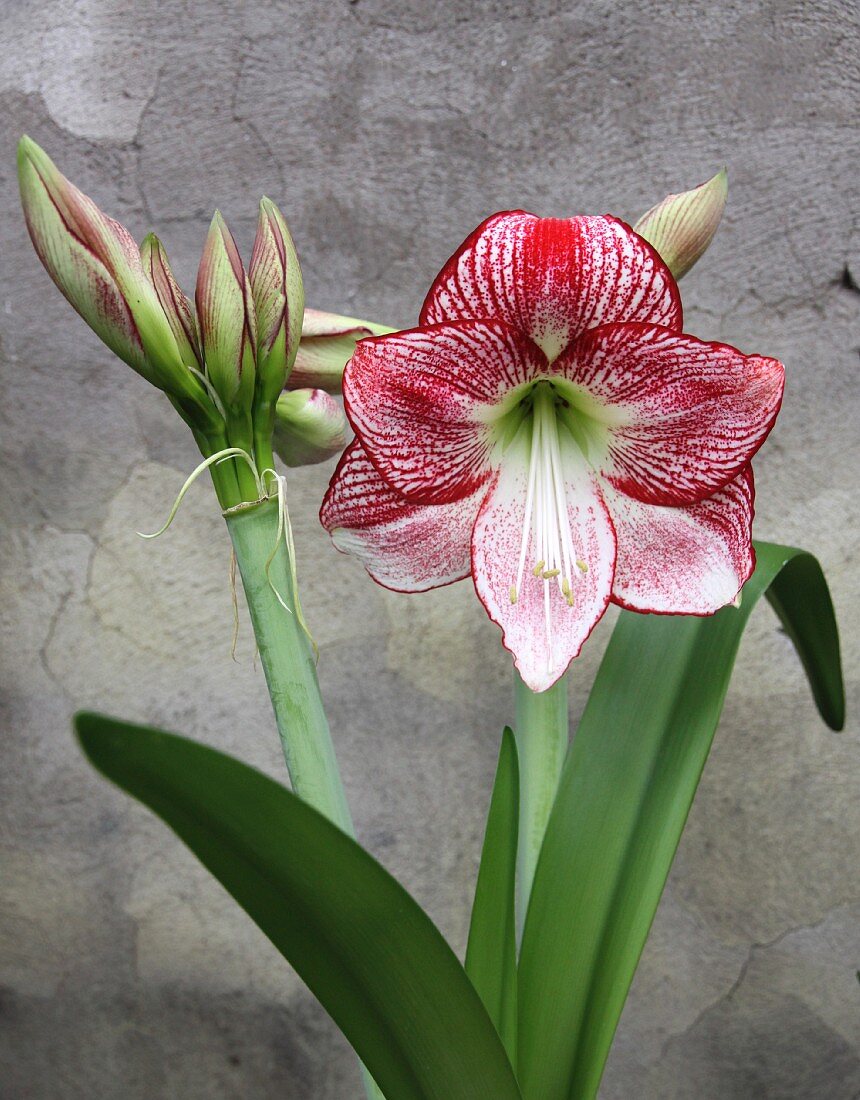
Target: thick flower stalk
[{"x": 551, "y": 431}]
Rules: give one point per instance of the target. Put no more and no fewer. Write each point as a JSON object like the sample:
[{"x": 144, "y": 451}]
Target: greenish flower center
[{"x": 556, "y": 429}]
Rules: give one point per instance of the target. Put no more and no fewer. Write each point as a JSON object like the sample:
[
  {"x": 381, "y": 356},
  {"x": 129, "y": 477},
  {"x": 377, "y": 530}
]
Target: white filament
[{"x": 545, "y": 516}]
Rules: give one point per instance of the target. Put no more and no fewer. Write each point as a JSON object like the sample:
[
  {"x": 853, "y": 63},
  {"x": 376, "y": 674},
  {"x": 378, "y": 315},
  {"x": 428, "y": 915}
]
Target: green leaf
[
  {"x": 366, "y": 950},
  {"x": 624, "y": 796},
  {"x": 799, "y": 595},
  {"x": 491, "y": 954}
]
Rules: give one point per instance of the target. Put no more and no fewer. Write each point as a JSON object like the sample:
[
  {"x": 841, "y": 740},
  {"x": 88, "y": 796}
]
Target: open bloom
[{"x": 549, "y": 430}]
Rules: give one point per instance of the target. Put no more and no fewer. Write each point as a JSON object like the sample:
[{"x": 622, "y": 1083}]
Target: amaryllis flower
[{"x": 550, "y": 430}]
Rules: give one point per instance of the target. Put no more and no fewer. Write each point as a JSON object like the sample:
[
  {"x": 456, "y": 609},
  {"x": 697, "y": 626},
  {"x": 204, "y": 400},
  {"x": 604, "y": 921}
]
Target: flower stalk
[
  {"x": 289, "y": 668},
  {"x": 287, "y": 658},
  {"x": 541, "y": 733}
]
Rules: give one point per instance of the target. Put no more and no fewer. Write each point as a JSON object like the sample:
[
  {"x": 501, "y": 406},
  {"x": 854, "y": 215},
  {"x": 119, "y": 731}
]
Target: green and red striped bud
[
  {"x": 682, "y": 226},
  {"x": 327, "y": 343},
  {"x": 225, "y": 314},
  {"x": 310, "y": 427},
  {"x": 174, "y": 302},
  {"x": 95, "y": 263},
  {"x": 279, "y": 301}
]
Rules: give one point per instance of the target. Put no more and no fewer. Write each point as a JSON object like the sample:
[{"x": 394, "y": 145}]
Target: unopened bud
[
  {"x": 682, "y": 226},
  {"x": 327, "y": 343},
  {"x": 279, "y": 301},
  {"x": 225, "y": 314},
  {"x": 96, "y": 265},
  {"x": 310, "y": 427},
  {"x": 175, "y": 304}
]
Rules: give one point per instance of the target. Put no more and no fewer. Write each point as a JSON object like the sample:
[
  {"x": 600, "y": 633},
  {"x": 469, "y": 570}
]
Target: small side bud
[
  {"x": 310, "y": 427},
  {"x": 279, "y": 300},
  {"x": 95, "y": 263},
  {"x": 225, "y": 314},
  {"x": 682, "y": 226},
  {"x": 327, "y": 343},
  {"x": 176, "y": 305}
]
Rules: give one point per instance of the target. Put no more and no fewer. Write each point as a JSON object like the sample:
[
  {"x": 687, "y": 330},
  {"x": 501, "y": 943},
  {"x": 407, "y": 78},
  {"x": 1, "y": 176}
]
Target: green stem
[
  {"x": 264, "y": 426},
  {"x": 223, "y": 474},
  {"x": 288, "y": 664},
  {"x": 541, "y": 734},
  {"x": 287, "y": 659},
  {"x": 245, "y": 476},
  {"x": 240, "y": 433}
]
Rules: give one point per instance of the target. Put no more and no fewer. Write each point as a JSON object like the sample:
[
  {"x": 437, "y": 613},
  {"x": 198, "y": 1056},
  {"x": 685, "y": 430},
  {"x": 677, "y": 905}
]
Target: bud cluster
[{"x": 223, "y": 361}]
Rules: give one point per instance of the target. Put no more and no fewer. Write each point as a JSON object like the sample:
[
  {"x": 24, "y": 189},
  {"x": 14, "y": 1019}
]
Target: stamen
[
  {"x": 546, "y": 527},
  {"x": 527, "y": 518}
]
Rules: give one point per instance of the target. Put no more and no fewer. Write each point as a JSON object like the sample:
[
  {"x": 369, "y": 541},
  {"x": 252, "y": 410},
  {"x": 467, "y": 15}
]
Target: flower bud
[
  {"x": 96, "y": 265},
  {"x": 327, "y": 343},
  {"x": 225, "y": 313},
  {"x": 175, "y": 304},
  {"x": 279, "y": 301},
  {"x": 310, "y": 427},
  {"x": 682, "y": 226}
]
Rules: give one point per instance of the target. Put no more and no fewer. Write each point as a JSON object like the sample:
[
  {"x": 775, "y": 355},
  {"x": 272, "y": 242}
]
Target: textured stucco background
[{"x": 386, "y": 132}]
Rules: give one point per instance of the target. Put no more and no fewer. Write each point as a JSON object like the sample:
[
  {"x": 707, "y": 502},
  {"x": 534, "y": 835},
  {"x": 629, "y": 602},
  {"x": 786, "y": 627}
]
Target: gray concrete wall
[{"x": 387, "y": 131}]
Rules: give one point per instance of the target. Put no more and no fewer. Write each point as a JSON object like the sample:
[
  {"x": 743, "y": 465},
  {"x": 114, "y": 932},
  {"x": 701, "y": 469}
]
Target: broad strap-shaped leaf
[
  {"x": 799, "y": 595},
  {"x": 624, "y": 796},
  {"x": 491, "y": 954},
  {"x": 366, "y": 950}
]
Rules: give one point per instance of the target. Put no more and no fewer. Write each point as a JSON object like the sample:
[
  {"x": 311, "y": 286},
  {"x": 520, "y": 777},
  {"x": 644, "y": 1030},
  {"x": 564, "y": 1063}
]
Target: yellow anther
[
  {"x": 512, "y": 592},
  {"x": 582, "y": 565},
  {"x": 548, "y": 574},
  {"x": 569, "y": 599},
  {"x": 538, "y": 569},
  {"x": 565, "y": 588}
]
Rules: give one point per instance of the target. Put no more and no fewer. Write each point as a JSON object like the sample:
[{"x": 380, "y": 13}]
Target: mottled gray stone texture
[{"x": 386, "y": 132}]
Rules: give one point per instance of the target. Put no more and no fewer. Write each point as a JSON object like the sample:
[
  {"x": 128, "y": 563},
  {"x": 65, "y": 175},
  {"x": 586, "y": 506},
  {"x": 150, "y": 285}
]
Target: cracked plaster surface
[{"x": 386, "y": 131}]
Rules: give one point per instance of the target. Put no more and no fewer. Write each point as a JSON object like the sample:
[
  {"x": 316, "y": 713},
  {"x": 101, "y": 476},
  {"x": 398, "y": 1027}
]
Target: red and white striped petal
[
  {"x": 404, "y": 546},
  {"x": 680, "y": 417},
  {"x": 541, "y": 626},
  {"x": 421, "y": 402},
  {"x": 683, "y": 561},
  {"x": 553, "y": 278}
]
